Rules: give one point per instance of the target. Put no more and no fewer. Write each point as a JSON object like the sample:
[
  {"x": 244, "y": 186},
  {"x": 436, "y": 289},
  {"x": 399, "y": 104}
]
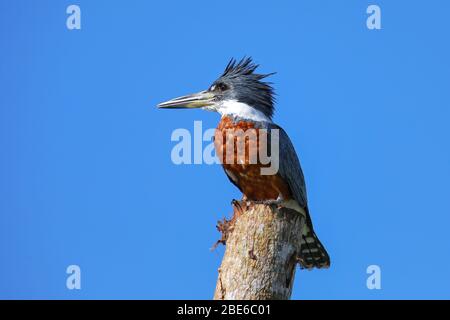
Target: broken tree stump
[{"x": 262, "y": 248}]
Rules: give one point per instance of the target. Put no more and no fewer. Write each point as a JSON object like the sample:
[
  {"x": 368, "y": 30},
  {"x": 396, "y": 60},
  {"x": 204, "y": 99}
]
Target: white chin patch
[
  {"x": 242, "y": 110},
  {"x": 210, "y": 108}
]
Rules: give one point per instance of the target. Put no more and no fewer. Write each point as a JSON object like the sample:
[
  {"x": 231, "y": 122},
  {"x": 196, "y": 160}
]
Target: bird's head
[{"x": 238, "y": 91}]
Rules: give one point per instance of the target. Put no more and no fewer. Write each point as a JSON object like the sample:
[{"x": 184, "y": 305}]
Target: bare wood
[{"x": 262, "y": 246}]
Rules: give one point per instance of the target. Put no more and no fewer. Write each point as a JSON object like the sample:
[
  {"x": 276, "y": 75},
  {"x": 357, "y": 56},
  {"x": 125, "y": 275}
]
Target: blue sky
[{"x": 85, "y": 171}]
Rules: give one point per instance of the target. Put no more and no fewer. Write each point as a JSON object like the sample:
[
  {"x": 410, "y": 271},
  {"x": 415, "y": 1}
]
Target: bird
[{"x": 245, "y": 101}]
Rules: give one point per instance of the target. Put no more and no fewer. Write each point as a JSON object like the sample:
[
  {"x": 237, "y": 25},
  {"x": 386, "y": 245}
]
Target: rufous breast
[{"x": 237, "y": 144}]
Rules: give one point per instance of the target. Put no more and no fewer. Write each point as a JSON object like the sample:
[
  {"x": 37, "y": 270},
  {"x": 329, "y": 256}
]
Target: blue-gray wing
[
  {"x": 313, "y": 253},
  {"x": 289, "y": 166}
]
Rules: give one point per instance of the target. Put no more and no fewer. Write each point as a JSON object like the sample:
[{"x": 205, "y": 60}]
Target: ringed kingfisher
[{"x": 244, "y": 102}]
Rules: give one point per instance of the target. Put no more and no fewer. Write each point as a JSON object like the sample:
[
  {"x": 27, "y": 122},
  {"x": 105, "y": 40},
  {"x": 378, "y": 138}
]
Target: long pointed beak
[{"x": 196, "y": 100}]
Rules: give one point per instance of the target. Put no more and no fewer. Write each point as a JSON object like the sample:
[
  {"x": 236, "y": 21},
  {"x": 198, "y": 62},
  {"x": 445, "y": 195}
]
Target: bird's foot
[
  {"x": 269, "y": 202},
  {"x": 238, "y": 208}
]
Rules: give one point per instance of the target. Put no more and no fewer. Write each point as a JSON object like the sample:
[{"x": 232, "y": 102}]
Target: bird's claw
[{"x": 278, "y": 202}]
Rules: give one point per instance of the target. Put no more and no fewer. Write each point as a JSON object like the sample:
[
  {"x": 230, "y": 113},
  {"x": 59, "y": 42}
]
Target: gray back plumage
[{"x": 289, "y": 165}]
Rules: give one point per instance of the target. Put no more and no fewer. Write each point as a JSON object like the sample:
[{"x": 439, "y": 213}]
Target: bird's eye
[{"x": 219, "y": 87}]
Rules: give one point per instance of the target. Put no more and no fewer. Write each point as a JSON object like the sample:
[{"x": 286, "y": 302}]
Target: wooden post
[{"x": 262, "y": 246}]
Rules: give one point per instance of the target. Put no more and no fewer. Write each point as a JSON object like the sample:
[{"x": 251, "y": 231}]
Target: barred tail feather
[{"x": 313, "y": 253}]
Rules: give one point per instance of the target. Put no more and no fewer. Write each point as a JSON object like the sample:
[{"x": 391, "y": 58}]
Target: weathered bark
[{"x": 262, "y": 245}]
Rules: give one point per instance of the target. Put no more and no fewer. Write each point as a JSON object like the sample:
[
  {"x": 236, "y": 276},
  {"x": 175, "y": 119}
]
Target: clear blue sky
[{"x": 85, "y": 171}]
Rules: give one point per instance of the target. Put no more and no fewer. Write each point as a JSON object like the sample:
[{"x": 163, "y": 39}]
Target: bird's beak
[{"x": 196, "y": 100}]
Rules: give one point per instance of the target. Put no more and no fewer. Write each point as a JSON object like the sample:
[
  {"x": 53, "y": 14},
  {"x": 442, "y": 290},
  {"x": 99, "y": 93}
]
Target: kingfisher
[{"x": 245, "y": 101}]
